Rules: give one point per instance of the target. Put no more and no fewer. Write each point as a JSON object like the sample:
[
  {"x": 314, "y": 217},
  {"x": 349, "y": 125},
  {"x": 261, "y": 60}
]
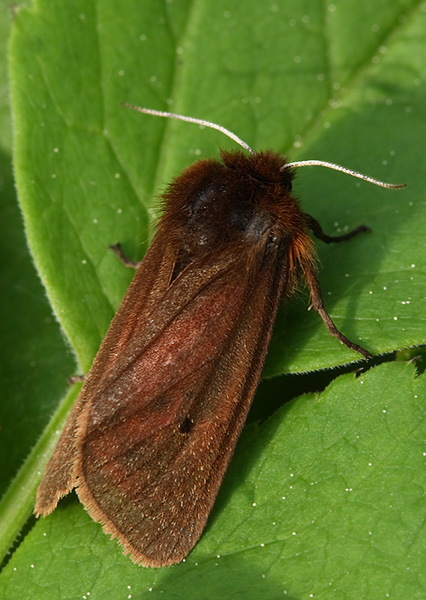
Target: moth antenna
[
  {"x": 329, "y": 165},
  {"x": 160, "y": 113},
  {"x": 240, "y": 142}
]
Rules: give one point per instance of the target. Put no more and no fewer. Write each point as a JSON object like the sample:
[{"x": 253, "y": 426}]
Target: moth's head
[
  {"x": 240, "y": 200},
  {"x": 243, "y": 203}
]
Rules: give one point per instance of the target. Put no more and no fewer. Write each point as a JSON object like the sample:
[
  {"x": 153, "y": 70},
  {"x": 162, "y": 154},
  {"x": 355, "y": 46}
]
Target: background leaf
[
  {"x": 343, "y": 83},
  {"x": 35, "y": 360},
  {"x": 326, "y": 500}
]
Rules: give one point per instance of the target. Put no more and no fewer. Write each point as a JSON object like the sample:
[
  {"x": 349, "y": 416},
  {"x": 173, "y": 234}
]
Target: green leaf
[
  {"x": 35, "y": 361},
  {"x": 325, "y": 500},
  {"x": 343, "y": 83}
]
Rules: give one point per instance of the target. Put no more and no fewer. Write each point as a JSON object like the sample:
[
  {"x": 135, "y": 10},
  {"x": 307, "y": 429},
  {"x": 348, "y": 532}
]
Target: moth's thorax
[{"x": 243, "y": 200}]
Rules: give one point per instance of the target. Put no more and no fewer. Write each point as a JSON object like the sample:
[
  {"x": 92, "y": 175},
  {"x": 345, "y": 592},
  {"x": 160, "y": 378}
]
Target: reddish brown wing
[
  {"x": 60, "y": 475},
  {"x": 155, "y": 440}
]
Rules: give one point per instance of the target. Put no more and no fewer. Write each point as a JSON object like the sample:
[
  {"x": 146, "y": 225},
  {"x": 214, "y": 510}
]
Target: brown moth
[{"x": 152, "y": 432}]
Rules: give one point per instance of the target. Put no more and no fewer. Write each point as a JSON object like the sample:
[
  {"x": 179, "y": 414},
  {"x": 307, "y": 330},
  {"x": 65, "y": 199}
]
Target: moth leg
[
  {"x": 128, "y": 262},
  {"x": 316, "y": 229},
  {"x": 76, "y": 379},
  {"x": 318, "y": 305}
]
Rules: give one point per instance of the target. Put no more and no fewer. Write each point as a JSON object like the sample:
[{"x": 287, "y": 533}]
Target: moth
[{"x": 152, "y": 432}]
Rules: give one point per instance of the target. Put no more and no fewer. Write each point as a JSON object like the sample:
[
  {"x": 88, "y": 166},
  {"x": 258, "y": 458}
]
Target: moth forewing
[{"x": 151, "y": 474}]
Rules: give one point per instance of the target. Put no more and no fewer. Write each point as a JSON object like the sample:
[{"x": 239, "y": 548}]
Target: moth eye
[{"x": 186, "y": 425}]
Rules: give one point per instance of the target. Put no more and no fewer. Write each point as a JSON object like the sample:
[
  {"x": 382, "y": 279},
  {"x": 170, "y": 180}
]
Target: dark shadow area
[{"x": 273, "y": 393}]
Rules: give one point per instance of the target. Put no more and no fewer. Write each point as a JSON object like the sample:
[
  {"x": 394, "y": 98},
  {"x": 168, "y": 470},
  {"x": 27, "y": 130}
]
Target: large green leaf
[
  {"x": 325, "y": 500},
  {"x": 344, "y": 83},
  {"x": 34, "y": 360}
]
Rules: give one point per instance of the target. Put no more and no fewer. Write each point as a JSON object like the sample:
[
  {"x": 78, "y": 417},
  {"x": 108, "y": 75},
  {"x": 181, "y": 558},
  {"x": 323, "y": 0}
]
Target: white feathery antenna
[{"x": 300, "y": 163}]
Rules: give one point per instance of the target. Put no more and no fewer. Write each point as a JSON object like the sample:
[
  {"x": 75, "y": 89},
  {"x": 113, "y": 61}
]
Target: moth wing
[
  {"x": 154, "y": 442},
  {"x": 148, "y": 283}
]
